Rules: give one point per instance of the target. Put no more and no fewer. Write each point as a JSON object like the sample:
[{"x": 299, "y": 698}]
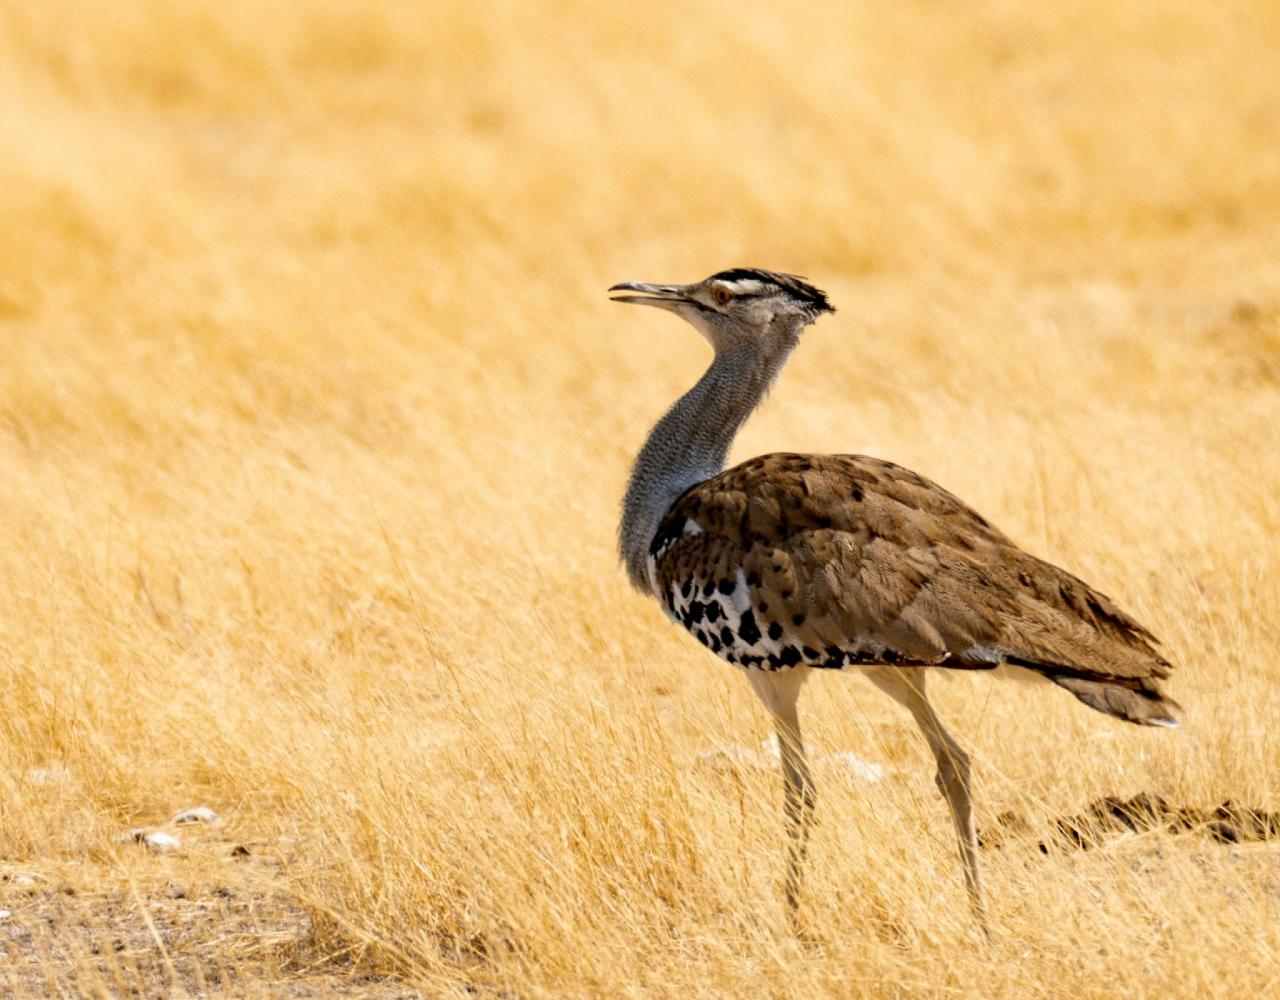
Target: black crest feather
[{"x": 814, "y": 298}]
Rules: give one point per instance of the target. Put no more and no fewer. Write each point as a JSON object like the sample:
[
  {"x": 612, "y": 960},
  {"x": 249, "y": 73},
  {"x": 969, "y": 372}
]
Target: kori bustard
[{"x": 791, "y": 563}]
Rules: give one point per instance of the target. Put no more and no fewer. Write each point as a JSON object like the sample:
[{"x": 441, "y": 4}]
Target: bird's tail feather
[{"x": 1146, "y": 706}]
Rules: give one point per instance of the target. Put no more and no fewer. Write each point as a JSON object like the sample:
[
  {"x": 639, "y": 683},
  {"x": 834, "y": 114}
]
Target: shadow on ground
[{"x": 1109, "y": 817}]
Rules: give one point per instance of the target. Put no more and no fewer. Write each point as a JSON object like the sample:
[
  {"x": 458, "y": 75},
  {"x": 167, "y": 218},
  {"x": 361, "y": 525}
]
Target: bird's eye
[{"x": 722, "y": 295}]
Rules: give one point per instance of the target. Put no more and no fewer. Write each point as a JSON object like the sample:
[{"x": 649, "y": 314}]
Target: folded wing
[{"x": 836, "y": 560}]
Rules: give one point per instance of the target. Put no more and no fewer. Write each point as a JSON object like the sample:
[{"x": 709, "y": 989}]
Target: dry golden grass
[{"x": 314, "y": 415}]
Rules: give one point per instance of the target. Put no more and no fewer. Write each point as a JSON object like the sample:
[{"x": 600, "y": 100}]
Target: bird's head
[{"x": 744, "y": 304}]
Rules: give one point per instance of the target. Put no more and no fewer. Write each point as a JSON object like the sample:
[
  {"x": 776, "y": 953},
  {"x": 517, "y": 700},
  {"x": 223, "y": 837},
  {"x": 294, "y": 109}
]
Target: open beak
[{"x": 663, "y": 296}]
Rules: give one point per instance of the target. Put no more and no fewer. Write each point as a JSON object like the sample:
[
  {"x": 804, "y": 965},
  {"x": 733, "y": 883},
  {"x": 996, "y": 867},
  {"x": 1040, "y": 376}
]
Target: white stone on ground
[
  {"x": 196, "y": 814},
  {"x": 768, "y": 756},
  {"x": 160, "y": 841},
  {"x": 51, "y": 775},
  {"x": 867, "y": 770}
]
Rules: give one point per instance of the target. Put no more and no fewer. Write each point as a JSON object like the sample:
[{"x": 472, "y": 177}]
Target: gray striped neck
[{"x": 690, "y": 443}]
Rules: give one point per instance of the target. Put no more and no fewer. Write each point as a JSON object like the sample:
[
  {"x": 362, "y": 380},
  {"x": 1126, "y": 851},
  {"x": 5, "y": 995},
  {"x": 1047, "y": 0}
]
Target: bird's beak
[{"x": 663, "y": 296}]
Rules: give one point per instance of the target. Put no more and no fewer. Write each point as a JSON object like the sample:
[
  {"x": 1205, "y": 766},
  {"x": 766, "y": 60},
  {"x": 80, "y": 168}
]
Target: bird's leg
[
  {"x": 907, "y": 686},
  {"x": 780, "y": 691}
]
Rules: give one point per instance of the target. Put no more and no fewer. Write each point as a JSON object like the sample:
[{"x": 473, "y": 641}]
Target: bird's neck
[{"x": 690, "y": 443}]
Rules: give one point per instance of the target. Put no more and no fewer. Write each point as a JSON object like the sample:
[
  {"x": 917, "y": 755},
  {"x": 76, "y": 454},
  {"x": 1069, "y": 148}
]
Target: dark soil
[{"x": 1110, "y": 816}]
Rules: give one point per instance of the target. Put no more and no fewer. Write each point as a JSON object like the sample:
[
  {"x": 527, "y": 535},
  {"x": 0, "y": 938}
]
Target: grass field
[{"x": 314, "y": 417}]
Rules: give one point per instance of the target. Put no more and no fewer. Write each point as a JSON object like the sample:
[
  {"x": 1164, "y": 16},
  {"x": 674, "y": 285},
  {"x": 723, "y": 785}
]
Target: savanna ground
[{"x": 314, "y": 416}]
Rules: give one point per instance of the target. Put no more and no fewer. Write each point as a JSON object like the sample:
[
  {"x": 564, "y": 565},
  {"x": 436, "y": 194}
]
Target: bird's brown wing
[{"x": 847, "y": 559}]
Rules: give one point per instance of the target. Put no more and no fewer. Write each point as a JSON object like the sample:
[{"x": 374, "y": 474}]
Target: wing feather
[{"x": 846, "y": 549}]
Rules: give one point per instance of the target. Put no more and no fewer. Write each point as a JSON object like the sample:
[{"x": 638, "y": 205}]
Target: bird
[{"x": 790, "y": 564}]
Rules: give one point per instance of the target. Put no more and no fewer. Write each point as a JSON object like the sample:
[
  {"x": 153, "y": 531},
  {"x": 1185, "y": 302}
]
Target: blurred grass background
[{"x": 314, "y": 416}]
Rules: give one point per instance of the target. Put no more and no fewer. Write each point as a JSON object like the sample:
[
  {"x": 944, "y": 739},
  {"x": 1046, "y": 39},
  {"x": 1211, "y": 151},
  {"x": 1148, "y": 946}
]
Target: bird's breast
[{"x": 740, "y": 627}]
